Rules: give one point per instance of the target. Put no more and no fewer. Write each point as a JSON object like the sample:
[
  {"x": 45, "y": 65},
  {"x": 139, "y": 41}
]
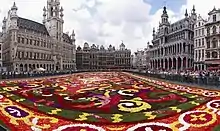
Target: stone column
[
  {"x": 172, "y": 64},
  {"x": 176, "y": 64},
  {"x": 164, "y": 65},
  {"x": 181, "y": 64},
  {"x": 187, "y": 62},
  {"x": 182, "y": 48}
]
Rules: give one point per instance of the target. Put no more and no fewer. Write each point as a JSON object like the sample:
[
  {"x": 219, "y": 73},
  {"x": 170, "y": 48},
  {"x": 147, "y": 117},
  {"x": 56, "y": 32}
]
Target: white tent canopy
[{"x": 39, "y": 69}]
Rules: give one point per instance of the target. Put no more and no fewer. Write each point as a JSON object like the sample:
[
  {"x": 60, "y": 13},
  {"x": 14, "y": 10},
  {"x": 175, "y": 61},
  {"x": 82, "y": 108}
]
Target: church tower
[
  {"x": 53, "y": 19},
  {"x": 163, "y": 27},
  {"x": 193, "y": 14}
]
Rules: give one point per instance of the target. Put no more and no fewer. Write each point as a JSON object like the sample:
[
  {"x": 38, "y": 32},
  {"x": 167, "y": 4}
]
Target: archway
[
  {"x": 30, "y": 67},
  {"x": 21, "y": 67},
  {"x": 196, "y": 67},
  {"x": 158, "y": 61},
  {"x": 189, "y": 63},
  {"x": 170, "y": 63},
  {"x": 57, "y": 66},
  {"x": 179, "y": 63},
  {"x": 25, "y": 67},
  {"x": 166, "y": 64},
  {"x": 34, "y": 67},
  {"x": 174, "y": 63},
  {"x": 184, "y": 63},
  {"x": 162, "y": 64}
]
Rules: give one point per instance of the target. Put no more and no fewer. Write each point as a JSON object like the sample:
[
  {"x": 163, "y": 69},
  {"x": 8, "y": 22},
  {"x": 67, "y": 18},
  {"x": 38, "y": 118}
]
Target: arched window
[
  {"x": 166, "y": 30},
  {"x": 214, "y": 29},
  {"x": 214, "y": 54},
  {"x": 214, "y": 43}
]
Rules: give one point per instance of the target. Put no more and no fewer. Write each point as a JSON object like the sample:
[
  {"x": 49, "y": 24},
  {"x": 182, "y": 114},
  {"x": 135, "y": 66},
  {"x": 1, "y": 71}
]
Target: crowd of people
[
  {"x": 12, "y": 75},
  {"x": 202, "y": 77}
]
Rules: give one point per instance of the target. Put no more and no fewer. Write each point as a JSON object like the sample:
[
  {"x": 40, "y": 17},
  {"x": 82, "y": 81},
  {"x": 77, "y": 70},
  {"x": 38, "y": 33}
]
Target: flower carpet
[{"x": 106, "y": 101}]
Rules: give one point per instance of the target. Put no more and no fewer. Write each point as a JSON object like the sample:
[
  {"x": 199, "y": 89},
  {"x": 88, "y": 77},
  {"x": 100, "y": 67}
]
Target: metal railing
[{"x": 205, "y": 81}]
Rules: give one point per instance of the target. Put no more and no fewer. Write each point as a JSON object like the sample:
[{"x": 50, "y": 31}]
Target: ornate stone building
[
  {"x": 173, "y": 43},
  {"x": 141, "y": 59},
  {"x": 199, "y": 44},
  {"x": 96, "y": 58},
  {"x": 213, "y": 39},
  {"x": 29, "y": 45}
]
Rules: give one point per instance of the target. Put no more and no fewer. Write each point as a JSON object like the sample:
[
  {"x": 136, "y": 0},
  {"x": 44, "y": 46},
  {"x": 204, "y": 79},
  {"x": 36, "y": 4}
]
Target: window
[
  {"x": 196, "y": 54},
  {"x": 208, "y": 44},
  {"x": 199, "y": 32},
  {"x": 208, "y": 55},
  {"x": 208, "y": 31},
  {"x": 199, "y": 54},
  {"x": 214, "y": 18},
  {"x": 199, "y": 24},
  {"x": 19, "y": 39},
  {"x": 214, "y": 55},
  {"x": 196, "y": 43},
  {"x": 22, "y": 40},
  {"x": 199, "y": 42},
  {"x": 202, "y": 31},
  {"x": 203, "y": 54},
  {"x": 196, "y": 32},
  {"x": 214, "y": 29},
  {"x": 214, "y": 43},
  {"x": 27, "y": 41},
  {"x": 203, "y": 41}
]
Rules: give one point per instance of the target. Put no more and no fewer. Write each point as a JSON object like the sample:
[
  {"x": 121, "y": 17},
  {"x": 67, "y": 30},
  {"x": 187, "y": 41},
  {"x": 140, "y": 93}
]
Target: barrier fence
[{"x": 209, "y": 81}]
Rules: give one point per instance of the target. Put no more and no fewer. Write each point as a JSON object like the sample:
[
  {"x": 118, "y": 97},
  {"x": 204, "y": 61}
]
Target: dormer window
[{"x": 214, "y": 18}]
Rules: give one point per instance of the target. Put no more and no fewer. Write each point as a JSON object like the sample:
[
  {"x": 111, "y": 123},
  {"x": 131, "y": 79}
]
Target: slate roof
[
  {"x": 32, "y": 25},
  {"x": 214, "y": 10},
  {"x": 66, "y": 38}
]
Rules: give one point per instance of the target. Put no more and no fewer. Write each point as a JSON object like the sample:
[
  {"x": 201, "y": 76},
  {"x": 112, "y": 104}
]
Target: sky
[{"x": 105, "y": 22}]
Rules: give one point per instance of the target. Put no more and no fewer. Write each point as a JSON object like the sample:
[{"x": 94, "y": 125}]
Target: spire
[
  {"x": 44, "y": 9},
  {"x": 214, "y": 8},
  {"x": 164, "y": 10},
  {"x": 153, "y": 31},
  {"x": 193, "y": 14},
  {"x": 193, "y": 10},
  {"x": 14, "y": 7},
  {"x": 186, "y": 13},
  {"x": 73, "y": 36},
  {"x": 61, "y": 12},
  {"x": 4, "y": 20}
]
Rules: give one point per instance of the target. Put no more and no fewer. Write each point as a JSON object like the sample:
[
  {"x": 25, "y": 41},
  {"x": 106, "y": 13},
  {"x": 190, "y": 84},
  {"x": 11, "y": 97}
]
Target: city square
[
  {"x": 106, "y": 101},
  {"x": 99, "y": 65}
]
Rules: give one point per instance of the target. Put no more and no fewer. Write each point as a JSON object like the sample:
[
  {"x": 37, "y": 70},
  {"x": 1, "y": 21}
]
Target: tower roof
[
  {"x": 14, "y": 7},
  {"x": 186, "y": 13},
  {"x": 164, "y": 12},
  {"x": 122, "y": 44}
]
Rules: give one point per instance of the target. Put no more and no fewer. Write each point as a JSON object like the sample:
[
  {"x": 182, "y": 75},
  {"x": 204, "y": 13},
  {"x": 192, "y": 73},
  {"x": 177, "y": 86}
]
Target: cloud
[
  {"x": 204, "y": 7},
  {"x": 107, "y": 21}
]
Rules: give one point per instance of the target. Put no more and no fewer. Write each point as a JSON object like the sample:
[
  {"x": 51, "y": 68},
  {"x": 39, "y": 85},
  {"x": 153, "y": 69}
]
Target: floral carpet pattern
[{"x": 106, "y": 101}]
